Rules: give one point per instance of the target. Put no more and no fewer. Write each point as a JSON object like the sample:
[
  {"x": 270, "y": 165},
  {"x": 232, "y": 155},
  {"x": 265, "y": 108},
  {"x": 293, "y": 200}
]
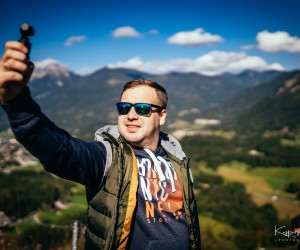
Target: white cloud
[
  {"x": 74, "y": 39},
  {"x": 277, "y": 41},
  {"x": 126, "y": 31},
  {"x": 196, "y": 37},
  {"x": 212, "y": 63}
]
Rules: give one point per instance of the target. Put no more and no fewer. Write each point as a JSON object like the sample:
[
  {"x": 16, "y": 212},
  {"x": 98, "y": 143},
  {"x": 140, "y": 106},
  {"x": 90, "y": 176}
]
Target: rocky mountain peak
[
  {"x": 50, "y": 67},
  {"x": 291, "y": 85}
]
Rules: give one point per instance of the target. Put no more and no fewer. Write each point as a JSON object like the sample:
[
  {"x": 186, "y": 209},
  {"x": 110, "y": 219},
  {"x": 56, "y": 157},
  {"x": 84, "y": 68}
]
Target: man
[
  {"x": 137, "y": 179},
  {"x": 295, "y": 223}
]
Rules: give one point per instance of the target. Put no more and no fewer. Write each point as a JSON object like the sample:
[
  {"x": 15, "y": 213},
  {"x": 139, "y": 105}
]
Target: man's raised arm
[{"x": 58, "y": 151}]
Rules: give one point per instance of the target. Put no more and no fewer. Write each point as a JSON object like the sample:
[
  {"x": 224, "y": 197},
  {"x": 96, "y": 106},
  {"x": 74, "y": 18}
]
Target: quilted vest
[{"x": 111, "y": 210}]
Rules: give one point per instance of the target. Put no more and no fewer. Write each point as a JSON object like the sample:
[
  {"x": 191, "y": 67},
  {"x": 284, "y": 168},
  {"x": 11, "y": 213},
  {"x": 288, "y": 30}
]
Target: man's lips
[{"x": 132, "y": 127}]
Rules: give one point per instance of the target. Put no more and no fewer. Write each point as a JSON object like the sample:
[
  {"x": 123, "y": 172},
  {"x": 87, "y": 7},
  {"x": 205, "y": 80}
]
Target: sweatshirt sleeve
[{"x": 59, "y": 152}]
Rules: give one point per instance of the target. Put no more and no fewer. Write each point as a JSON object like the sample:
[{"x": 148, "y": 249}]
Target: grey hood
[{"x": 168, "y": 142}]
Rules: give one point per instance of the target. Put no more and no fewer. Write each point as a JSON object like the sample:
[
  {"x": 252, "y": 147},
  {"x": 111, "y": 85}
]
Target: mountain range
[
  {"x": 280, "y": 108},
  {"x": 81, "y": 104}
]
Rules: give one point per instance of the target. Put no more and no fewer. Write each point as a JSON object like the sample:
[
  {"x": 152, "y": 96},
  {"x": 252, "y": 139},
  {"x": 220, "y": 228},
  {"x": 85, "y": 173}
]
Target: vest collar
[{"x": 168, "y": 142}]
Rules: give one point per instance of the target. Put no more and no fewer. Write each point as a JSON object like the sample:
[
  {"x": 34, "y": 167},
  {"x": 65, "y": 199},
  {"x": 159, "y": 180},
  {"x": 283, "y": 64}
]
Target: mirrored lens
[
  {"x": 142, "y": 109},
  {"x": 123, "y": 108}
]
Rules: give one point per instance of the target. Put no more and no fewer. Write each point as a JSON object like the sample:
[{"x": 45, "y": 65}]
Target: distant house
[{"x": 4, "y": 220}]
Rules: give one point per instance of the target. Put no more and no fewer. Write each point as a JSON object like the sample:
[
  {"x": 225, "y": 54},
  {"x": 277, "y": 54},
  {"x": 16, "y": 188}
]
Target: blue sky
[{"x": 208, "y": 37}]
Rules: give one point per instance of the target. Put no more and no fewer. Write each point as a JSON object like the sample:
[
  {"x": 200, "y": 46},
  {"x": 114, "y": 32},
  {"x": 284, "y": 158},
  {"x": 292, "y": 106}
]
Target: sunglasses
[{"x": 142, "y": 109}]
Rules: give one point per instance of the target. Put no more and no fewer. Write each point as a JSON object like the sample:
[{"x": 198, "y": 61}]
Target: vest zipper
[{"x": 114, "y": 220}]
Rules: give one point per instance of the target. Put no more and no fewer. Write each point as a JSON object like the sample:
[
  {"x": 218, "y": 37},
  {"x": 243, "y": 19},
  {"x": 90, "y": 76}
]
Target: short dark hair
[
  {"x": 160, "y": 90},
  {"x": 295, "y": 222}
]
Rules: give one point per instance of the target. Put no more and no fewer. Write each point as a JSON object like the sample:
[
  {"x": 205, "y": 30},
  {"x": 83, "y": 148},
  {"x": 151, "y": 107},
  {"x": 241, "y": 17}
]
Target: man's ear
[{"x": 163, "y": 117}]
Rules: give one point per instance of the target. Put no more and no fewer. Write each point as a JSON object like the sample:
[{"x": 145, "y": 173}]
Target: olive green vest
[{"x": 110, "y": 211}]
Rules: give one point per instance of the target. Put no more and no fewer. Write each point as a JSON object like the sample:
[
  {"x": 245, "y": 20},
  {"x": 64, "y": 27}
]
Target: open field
[
  {"x": 266, "y": 185},
  {"x": 254, "y": 184},
  {"x": 277, "y": 177}
]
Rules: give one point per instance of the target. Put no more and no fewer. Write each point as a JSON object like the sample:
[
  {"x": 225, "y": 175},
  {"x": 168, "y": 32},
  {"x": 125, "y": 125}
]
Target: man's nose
[{"x": 132, "y": 115}]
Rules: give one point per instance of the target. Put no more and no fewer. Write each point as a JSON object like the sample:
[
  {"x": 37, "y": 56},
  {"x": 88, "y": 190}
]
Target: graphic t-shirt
[{"x": 160, "y": 221}]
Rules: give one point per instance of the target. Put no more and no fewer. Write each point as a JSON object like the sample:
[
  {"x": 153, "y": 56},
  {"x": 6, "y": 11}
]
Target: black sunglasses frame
[{"x": 134, "y": 105}]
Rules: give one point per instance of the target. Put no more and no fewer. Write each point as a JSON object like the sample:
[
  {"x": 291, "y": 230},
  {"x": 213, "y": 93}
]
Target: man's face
[{"x": 141, "y": 131}]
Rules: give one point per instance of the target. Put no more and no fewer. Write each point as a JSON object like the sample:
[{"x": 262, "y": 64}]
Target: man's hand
[{"x": 15, "y": 70}]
